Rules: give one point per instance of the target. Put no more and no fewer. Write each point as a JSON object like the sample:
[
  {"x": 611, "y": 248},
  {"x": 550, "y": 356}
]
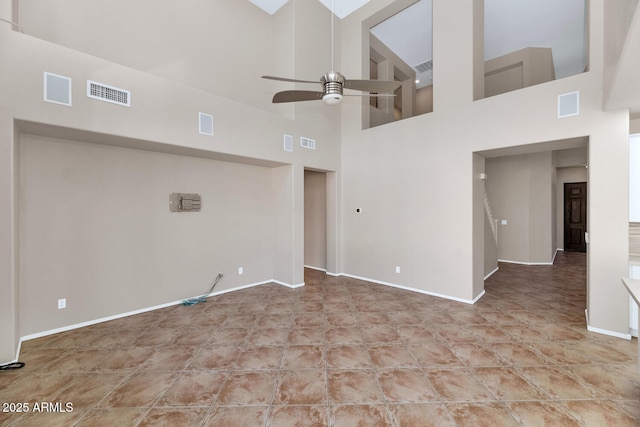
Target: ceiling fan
[{"x": 333, "y": 84}]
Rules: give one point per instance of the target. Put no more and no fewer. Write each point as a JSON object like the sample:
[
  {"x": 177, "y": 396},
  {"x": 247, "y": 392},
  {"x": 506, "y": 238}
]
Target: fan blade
[
  {"x": 296, "y": 95},
  {"x": 372, "y": 95},
  {"x": 284, "y": 79},
  {"x": 372, "y": 85}
]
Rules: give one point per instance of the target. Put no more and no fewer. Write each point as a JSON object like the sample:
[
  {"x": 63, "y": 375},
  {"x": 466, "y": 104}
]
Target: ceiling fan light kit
[{"x": 332, "y": 83}]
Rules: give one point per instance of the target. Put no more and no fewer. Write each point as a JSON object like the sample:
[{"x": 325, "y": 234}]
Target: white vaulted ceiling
[{"x": 341, "y": 8}]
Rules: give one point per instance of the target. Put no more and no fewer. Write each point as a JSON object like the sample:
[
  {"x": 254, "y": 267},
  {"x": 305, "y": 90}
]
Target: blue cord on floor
[
  {"x": 192, "y": 301},
  {"x": 202, "y": 298}
]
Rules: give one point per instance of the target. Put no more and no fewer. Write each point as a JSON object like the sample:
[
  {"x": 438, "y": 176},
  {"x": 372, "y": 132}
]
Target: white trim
[
  {"x": 610, "y": 333},
  {"x": 315, "y": 268},
  {"x": 525, "y": 263},
  {"x": 333, "y": 274},
  {"x": 17, "y": 354},
  {"x": 491, "y": 273},
  {"x": 420, "y": 291},
  {"x": 288, "y": 285}
]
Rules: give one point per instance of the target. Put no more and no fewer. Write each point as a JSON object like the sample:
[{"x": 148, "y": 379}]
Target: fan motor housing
[{"x": 332, "y": 83}]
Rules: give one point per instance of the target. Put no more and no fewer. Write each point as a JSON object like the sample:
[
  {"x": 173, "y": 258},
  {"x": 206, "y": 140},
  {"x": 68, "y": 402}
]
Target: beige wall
[
  {"x": 185, "y": 42},
  {"x": 618, "y": 16},
  {"x": 520, "y": 191},
  {"x": 96, "y": 229},
  {"x": 315, "y": 219},
  {"x": 9, "y": 240},
  {"x": 490, "y": 249},
  {"x": 515, "y": 70}
]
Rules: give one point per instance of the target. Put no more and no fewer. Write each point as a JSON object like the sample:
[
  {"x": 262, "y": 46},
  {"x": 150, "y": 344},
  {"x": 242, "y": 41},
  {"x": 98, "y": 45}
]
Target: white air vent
[
  {"x": 308, "y": 143},
  {"x": 425, "y": 66},
  {"x": 107, "y": 93},
  {"x": 57, "y": 89},
  {"x": 288, "y": 143}
]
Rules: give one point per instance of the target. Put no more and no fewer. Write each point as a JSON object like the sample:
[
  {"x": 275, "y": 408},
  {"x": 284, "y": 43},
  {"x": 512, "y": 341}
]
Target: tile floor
[{"x": 342, "y": 352}]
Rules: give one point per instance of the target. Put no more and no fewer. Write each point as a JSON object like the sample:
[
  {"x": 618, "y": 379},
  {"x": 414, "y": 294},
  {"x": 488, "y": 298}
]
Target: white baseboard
[
  {"x": 288, "y": 285},
  {"x": 525, "y": 263},
  {"x": 315, "y": 268},
  {"x": 420, "y": 291},
  {"x": 604, "y": 331},
  {"x": 610, "y": 333},
  {"x": 491, "y": 273},
  {"x": 322, "y": 269},
  {"x": 140, "y": 311}
]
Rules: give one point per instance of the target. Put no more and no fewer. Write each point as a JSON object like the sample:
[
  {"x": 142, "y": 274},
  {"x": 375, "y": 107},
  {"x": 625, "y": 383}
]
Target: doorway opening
[
  {"x": 321, "y": 249},
  {"x": 315, "y": 220}
]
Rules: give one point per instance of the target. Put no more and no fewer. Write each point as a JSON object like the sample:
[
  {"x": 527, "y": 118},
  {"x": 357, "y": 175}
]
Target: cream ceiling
[{"x": 341, "y": 8}]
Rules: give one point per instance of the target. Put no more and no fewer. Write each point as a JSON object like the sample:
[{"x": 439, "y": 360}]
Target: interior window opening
[
  {"x": 530, "y": 42},
  {"x": 400, "y": 49}
]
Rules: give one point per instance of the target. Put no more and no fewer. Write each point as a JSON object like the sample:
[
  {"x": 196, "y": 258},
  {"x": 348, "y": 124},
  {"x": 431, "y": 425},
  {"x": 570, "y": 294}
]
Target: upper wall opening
[
  {"x": 401, "y": 49},
  {"x": 530, "y": 42}
]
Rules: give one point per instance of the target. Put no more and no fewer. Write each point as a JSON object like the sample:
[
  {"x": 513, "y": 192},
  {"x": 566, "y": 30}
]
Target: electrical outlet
[
  {"x": 397, "y": 269},
  {"x": 62, "y": 303},
  {"x": 504, "y": 222},
  {"x": 240, "y": 270}
]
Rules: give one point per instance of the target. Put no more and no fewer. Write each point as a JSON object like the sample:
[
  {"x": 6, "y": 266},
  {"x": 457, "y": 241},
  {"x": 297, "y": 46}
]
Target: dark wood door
[{"x": 575, "y": 216}]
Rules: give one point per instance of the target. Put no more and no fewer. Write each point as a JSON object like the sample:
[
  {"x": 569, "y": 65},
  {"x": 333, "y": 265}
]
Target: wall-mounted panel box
[{"x": 184, "y": 202}]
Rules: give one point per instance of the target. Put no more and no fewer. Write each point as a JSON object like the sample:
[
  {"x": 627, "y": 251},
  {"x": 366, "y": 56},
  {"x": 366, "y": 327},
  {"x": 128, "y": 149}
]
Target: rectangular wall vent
[
  {"x": 308, "y": 143},
  {"x": 107, "y": 93},
  {"x": 425, "y": 66}
]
